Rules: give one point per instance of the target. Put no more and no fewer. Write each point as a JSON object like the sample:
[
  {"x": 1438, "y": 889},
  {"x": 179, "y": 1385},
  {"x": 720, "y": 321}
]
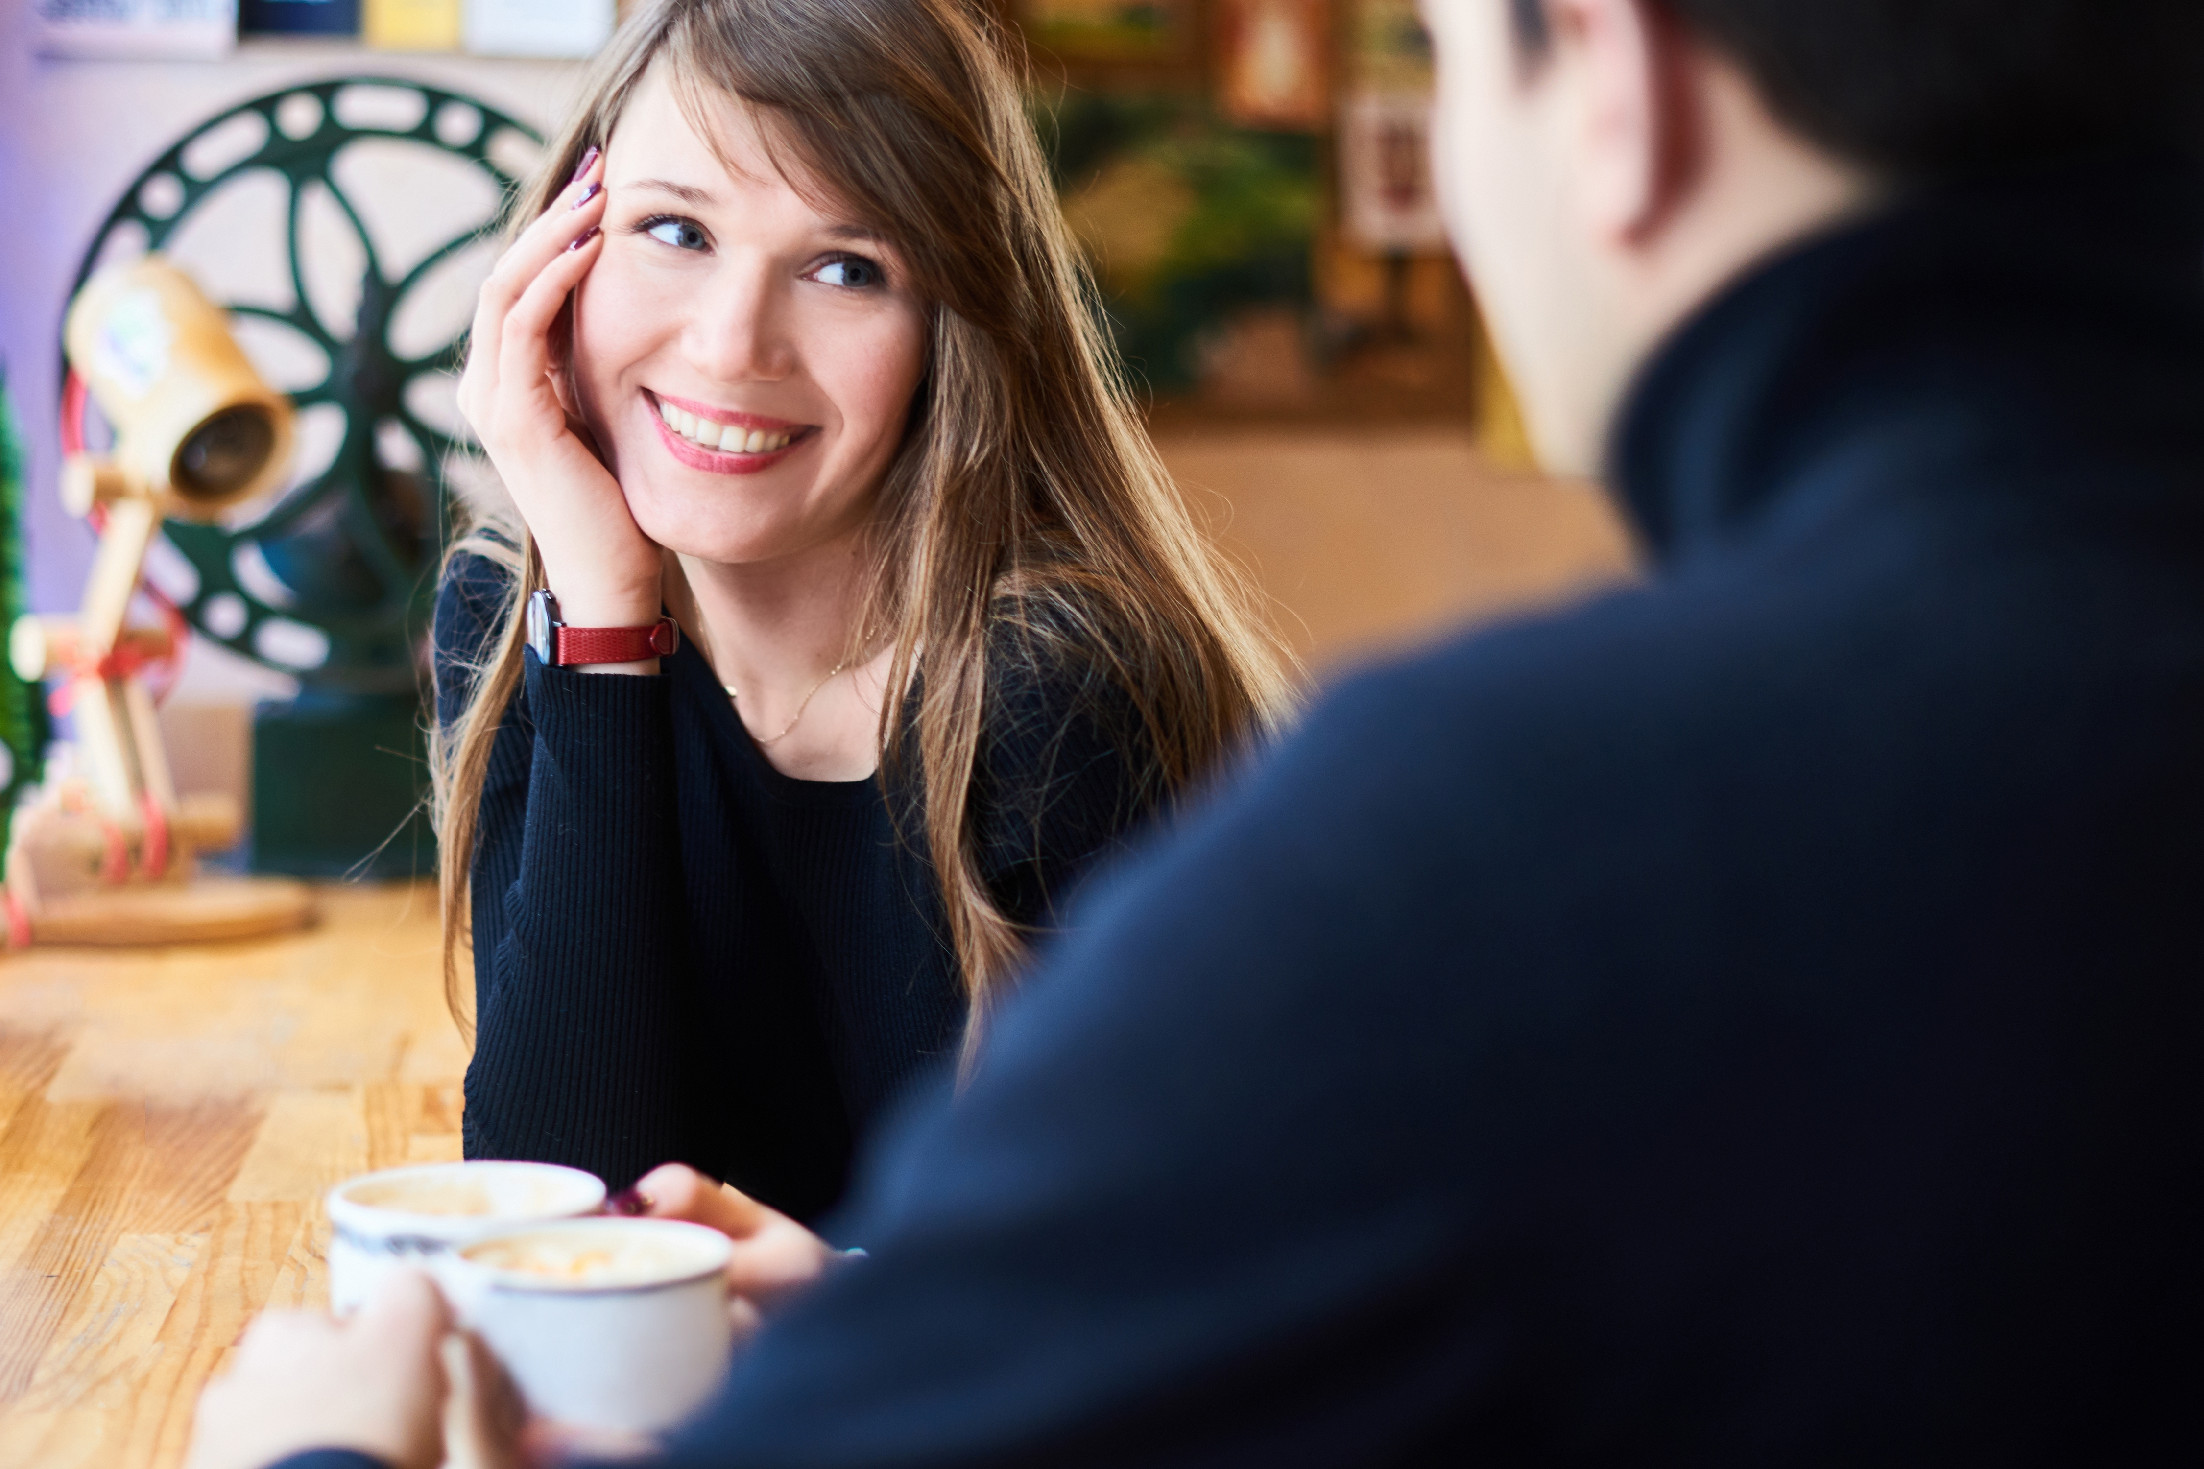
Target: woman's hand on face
[
  {"x": 300, "y": 1381},
  {"x": 603, "y": 569},
  {"x": 775, "y": 1257}
]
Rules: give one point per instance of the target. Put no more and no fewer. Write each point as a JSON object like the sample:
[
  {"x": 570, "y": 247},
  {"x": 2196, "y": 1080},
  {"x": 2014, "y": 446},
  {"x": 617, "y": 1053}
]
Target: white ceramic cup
[
  {"x": 406, "y": 1216},
  {"x": 615, "y": 1324}
]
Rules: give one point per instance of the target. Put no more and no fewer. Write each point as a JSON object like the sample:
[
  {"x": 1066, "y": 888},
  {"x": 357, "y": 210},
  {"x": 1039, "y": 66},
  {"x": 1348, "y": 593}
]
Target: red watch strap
[{"x": 573, "y": 645}]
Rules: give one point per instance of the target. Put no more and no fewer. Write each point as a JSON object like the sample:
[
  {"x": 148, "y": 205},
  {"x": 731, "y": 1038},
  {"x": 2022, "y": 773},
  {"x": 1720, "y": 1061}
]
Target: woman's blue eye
[
  {"x": 682, "y": 234},
  {"x": 849, "y": 271}
]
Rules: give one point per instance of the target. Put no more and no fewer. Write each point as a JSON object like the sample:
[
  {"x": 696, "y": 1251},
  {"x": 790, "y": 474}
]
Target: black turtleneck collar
[{"x": 1970, "y": 302}]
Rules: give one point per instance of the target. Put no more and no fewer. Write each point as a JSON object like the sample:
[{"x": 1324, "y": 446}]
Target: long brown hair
[{"x": 1026, "y": 488}]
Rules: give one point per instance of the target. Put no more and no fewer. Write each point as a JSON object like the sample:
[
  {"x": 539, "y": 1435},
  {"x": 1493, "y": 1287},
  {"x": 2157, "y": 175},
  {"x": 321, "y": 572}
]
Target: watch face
[{"x": 542, "y": 617}]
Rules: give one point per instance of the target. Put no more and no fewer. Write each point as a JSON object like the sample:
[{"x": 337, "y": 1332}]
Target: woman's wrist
[{"x": 592, "y": 602}]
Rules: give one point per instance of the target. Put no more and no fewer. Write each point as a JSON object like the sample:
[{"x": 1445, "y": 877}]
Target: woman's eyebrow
[
  {"x": 858, "y": 232},
  {"x": 686, "y": 193}
]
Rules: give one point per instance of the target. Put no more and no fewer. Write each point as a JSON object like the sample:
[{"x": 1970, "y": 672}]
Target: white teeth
[{"x": 725, "y": 438}]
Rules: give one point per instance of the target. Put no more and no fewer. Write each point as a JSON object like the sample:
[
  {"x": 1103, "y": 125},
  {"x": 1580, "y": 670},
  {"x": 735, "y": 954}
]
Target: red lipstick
[{"x": 721, "y": 461}]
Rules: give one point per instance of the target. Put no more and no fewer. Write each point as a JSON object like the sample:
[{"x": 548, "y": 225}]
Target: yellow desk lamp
[{"x": 106, "y": 855}]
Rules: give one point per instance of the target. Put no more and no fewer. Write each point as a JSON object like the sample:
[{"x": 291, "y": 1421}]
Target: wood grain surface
[{"x": 169, "y": 1120}]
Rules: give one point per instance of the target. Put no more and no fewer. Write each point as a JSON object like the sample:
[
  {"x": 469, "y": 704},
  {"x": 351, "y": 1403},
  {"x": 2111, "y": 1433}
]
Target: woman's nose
[{"x": 739, "y": 330}]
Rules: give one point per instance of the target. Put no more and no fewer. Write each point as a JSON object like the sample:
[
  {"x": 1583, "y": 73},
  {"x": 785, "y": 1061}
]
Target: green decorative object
[
  {"x": 23, "y": 720},
  {"x": 334, "y": 580},
  {"x": 1109, "y": 30},
  {"x": 1187, "y": 219}
]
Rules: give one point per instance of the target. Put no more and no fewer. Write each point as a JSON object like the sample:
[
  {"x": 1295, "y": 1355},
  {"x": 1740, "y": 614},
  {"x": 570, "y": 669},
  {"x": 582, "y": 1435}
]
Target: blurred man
[{"x": 1755, "y": 1018}]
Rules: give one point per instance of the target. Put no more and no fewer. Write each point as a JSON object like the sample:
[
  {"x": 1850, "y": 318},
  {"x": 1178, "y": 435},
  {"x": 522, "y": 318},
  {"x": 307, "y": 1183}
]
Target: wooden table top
[{"x": 169, "y": 1120}]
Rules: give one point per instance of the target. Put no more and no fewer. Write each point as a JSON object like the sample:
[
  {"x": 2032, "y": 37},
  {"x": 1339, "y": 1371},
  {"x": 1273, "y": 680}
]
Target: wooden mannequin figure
[{"x": 105, "y": 853}]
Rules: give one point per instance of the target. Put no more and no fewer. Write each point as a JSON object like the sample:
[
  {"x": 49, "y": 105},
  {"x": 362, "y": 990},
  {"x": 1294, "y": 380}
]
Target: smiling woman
[{"x": 791, "y": 375}]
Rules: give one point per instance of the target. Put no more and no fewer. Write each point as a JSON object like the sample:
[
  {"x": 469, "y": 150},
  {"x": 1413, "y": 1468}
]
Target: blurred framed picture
[
  {"x": 1109, "y": 30},
  {"x": 194, "y": 29},
  {"x": 298, "y": 17},
  {"x": 1274, "y": 62},
  {"x": 1385, "y": 181},
  {"x": 572, "y": 29}
]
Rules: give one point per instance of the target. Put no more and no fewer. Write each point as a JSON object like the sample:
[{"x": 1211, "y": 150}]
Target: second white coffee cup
[
  {"x": 617, "y": 1324},
  {"x": 380, "y": 1222}
]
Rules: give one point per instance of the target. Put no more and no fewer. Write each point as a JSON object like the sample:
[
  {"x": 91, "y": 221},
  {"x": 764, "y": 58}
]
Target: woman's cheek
[
  {"x": 618, "y": 315},
  {"x": 880, "y": 371}
]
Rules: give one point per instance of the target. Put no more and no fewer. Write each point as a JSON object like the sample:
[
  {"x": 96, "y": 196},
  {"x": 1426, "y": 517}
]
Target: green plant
[
  {"x": 1186, "y": 220},
  {"x": 23, "y": 719}
]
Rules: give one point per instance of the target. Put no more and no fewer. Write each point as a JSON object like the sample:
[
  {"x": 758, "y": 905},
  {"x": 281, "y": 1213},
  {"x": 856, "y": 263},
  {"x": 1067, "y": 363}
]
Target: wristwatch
[{"x": 559, "y": 646}]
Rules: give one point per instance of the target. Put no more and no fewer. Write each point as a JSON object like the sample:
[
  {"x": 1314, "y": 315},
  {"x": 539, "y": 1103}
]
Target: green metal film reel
[
  {"x": 329, "y": 218},
  {"x": 352, "y": 548}
]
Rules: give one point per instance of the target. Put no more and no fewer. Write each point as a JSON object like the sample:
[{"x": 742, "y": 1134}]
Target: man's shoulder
[
  {"x": 1881, "y": 606},
  {"x": 1480, "y": 704},
  {"x": 1765, "y": 682}
]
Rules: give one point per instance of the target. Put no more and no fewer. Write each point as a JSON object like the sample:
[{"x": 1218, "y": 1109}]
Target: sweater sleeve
[{"x": 576, "y": 908}]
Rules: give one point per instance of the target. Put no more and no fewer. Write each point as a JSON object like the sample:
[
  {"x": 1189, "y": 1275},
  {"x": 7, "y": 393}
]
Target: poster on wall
[
  {"x": 1385, "y": 185},
  {"x": 410, "y": 25},
  {"x": 298, "y": 17},
  {"x": 192, "y": 29},
  {"x": 1108, "y": 30},
  {"x": 1385, "y": 181},
  {"x": 1272, "y": 57},
  {"x": 575, "y": 29}
]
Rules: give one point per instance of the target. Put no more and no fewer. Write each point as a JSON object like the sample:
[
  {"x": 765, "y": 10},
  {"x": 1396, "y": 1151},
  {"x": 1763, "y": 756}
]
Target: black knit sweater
[{"x": 683, "y": 954}]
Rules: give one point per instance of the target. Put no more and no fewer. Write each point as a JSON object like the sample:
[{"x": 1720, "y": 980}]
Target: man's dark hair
[{"x": 1930, "y": 87}]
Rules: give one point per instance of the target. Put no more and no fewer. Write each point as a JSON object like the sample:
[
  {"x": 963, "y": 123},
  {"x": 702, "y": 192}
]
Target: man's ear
[{"x": 1625, "y": 66}]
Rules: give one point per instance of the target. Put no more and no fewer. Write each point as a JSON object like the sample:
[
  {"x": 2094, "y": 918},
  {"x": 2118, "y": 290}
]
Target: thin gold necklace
[{"x": 790, "y": 727}]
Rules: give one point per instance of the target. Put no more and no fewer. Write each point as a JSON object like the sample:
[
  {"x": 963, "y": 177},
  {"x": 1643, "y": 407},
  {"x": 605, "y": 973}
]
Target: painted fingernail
[
  {"x": 589, "y": 235},
  {"x": 632, "y": 1200},
  {"x": 582, "y": 168},
  {"x": 588, "y": 194}
]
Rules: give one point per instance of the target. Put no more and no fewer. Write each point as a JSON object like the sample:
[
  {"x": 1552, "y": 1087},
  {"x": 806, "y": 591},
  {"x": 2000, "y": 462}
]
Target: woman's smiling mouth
[{"x": 724, "y": 442}]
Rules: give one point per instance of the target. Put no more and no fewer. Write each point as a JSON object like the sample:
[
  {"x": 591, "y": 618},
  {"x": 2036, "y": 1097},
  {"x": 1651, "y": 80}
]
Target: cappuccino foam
[
  {"x": 586, "y": 1259},
  {"x": 424, "y": 1196}
]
